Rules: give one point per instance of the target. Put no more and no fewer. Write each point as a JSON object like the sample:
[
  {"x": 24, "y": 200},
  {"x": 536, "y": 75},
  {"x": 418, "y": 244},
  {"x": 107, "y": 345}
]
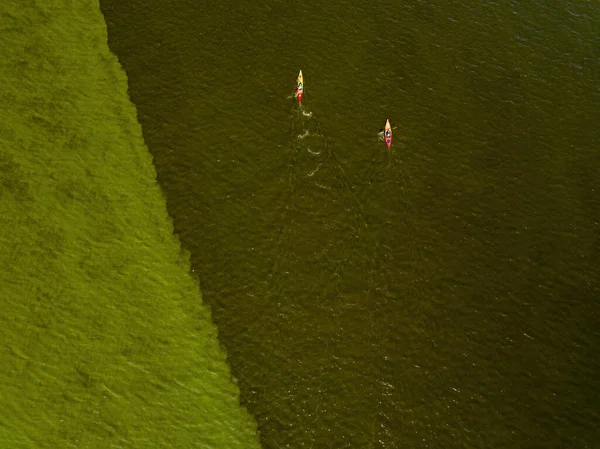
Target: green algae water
[
  {"x": 440, "y": 294},
  {"x": 104, "y": 339}
]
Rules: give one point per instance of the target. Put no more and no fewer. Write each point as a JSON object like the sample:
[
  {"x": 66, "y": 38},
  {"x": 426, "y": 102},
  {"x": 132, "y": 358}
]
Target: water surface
[{"x": 443, "y": 293}]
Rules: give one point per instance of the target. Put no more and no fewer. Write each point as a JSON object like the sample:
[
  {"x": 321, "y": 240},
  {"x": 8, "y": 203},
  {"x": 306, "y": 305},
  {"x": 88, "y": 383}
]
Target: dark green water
[{"x": 443, "y": 293}]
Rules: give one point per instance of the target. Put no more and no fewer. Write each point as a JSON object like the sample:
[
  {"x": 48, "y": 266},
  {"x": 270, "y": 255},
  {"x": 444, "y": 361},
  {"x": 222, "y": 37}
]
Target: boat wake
[
  {"x": 310, "y": 145},
  {"x": 314, "y": 171}
]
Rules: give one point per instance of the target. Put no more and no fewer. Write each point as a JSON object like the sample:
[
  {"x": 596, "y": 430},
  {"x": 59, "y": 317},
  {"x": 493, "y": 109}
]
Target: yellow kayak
[
  {"x": 388, "y": 133},
  {"x": 300, "y": 87}
]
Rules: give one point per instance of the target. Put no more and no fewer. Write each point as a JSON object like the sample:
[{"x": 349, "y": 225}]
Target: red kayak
[{"x": 388, "y": 134}]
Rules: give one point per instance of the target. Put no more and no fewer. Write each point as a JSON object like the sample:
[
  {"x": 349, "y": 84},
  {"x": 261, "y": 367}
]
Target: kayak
[
  {"x": 388, "y": 133},
  {"x": 300, "y": 88}
]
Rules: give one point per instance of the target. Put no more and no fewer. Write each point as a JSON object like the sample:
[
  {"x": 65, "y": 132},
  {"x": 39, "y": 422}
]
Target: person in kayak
[
  {"x": 299, "y": 89},
  {"x": 388, "y": 133}
]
